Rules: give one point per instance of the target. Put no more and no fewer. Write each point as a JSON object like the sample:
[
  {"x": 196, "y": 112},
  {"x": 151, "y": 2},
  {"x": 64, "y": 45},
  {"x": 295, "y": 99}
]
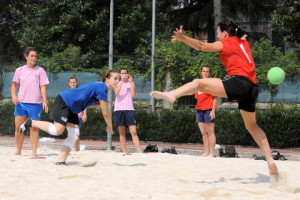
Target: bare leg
[
  {"x": 64, "y": 152},
  {"x": 209, "y": 85},
  {"x": 260, "y": 138},
  {"x": 204, "y": 138},
  {"x": 210, "y": 127},
  {"x": 44, "y": 125},
  {"x": 122, "y": 138},
  {"x": 135, "y": 138},
  {"x": 77, "y": 145},
  {"x": 19, "y": 137},
  {"x": 34, "y": 139}
]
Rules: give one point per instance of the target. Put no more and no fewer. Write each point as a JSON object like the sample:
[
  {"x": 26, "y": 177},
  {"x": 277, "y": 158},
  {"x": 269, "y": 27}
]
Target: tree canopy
[
  {"x": 286, "y": 20},
  {"x": 53, "y": 25}
]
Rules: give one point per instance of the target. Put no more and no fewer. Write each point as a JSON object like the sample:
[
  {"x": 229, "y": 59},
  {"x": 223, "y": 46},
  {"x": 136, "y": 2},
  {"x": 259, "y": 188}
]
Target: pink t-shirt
[
  {"x": 124, "y": 99},
  {"x": 30, "y": 80}
]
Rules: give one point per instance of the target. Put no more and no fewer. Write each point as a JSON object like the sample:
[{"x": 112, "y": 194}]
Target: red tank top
[
  {"x": 204, "y": 101},
  {"x": 237, "y": 58}
]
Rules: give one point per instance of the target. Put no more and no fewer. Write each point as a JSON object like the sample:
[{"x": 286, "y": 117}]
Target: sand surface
[{"x": 141, "y": 176}]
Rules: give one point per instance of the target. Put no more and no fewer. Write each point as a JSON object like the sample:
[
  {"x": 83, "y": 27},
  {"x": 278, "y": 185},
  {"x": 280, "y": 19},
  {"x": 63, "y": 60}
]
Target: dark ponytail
[{"x": 231, "y": 28}]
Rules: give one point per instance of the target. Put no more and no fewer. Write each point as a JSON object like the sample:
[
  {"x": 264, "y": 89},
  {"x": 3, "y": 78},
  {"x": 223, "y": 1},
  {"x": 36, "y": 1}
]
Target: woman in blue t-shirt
[{"x": 69, "y": 103}]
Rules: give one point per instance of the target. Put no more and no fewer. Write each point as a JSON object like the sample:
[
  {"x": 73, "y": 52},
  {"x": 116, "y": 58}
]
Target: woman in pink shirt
[
  {"x": 31, "y": 99},
  {"x": 124, "y": 114}
]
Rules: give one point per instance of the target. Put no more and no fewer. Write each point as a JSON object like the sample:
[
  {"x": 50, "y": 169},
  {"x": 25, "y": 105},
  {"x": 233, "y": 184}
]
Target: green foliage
[
  {"x": 280, "y": 123},
  {"x": 53, "y": 25},
  {"x": 68, "y": 60},
  {"x": 230, "y": 128},
  {"x": 286, "y": 19},
  {"x": 7, "y": 125},
  {"x": 267, "y": 56}
]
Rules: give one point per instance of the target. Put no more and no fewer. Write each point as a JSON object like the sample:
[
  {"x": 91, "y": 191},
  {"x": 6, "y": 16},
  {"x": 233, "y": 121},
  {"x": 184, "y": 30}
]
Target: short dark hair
[
  {"x": 28, "y": 50},
  {"x": 73, "y": 77},
  {"x": 206, "y": 67},
  {"x": 123, "y": 68}
]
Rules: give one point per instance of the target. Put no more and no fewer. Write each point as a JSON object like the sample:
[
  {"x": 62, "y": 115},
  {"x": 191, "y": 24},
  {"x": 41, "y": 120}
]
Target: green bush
[
  {"x": 7, "y": 124},
  {"x": 279, "y": 121}
]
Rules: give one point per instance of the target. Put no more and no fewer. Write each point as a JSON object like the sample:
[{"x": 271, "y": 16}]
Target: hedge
[{"x": 279, "y": 121}]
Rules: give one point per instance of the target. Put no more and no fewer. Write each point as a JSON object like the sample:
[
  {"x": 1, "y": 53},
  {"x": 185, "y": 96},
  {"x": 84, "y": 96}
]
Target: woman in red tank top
[{"x": 241, "y": 85}]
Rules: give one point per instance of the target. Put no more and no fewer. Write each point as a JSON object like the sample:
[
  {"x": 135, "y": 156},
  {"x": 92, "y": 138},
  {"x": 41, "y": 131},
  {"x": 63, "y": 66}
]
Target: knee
[
  {"x": 204, "y": 132},
  {"x": 251, "y": 127},
  {"x": 73, "y": 134},
  {"x": 34, "y": 129},
  {"x": 133, "y": 133}
]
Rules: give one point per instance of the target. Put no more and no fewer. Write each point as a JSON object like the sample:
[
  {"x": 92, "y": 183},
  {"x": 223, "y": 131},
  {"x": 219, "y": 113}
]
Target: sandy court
[{"x": 140, "y": 176}]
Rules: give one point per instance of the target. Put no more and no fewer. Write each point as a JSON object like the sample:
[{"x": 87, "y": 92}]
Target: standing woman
[
  {"x": 124, "y": 114},
  {"x": 205, "y": 116},
  {"x": 31, "y": 99},
  {"x": 240, "y": 85}
]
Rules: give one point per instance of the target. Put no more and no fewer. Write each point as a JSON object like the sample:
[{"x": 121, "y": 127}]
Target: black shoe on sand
[
  {"x": 61, "y": 163},
  {"x": 25, "y": 126}
]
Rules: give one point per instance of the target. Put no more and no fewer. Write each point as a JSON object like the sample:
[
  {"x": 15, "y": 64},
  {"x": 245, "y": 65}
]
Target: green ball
[{"x": 276, "y": 75}]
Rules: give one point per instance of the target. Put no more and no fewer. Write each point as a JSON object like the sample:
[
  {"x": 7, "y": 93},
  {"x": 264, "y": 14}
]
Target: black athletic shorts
[
  {"x": 243, "y": 90},
  {"x": 62, "y": 114}
]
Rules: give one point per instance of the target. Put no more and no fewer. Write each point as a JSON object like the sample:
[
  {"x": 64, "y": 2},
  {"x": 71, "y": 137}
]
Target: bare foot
[
  {"x": 273, "y": 169},
  {"x": 163, "y": 95},
  {"x": 204, "y": 155},
  {"x": 18, "y": 152}
]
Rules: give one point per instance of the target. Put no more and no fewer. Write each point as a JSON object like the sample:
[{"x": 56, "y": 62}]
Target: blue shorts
[
  {"x": 203, "y": 116},
  {"x": 29, "y": 110},
  {"x": 124, "y": 118}
]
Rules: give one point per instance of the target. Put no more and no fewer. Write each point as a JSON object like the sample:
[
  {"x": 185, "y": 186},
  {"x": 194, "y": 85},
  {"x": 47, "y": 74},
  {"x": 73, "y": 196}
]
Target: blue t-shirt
[{"x": 80, "y": 98}]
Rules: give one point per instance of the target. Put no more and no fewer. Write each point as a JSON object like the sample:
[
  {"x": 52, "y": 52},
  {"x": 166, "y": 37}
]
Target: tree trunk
[
  {"x": 217, "y": 14},
  {"x": 167, "y": 86}
]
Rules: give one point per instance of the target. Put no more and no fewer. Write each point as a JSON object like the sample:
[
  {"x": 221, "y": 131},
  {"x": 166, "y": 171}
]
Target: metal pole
[
  {"x": 110, "y": 60},
  {"x": 152, "y": 53}
]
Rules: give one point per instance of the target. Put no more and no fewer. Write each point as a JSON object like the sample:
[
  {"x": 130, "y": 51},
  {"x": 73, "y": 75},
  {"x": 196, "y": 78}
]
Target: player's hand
[
  {"x": 84, "y": 118},
  {"x": 129, "y": 78},
  {"x": 15, "y": 100},
  {"x": 110, "y": 129},
  {"x": 178, "y": 34},
  {"x": 45, "y": 107},
  {"x": 212, "y": 115}
]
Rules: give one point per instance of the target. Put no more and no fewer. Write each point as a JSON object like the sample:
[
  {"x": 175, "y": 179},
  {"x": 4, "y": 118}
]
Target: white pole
[
  {"x": 110, "y": 60},
  {"x": 152, "y": 53}
]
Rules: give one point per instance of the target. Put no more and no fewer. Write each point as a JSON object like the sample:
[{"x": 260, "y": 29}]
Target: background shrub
[{"x": 279, "y": 121}]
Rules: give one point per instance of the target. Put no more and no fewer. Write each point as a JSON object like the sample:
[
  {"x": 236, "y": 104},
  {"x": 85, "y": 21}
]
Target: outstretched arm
[
  {"x": 106, "y": 115},
  {"x": 196, "y": 44}
]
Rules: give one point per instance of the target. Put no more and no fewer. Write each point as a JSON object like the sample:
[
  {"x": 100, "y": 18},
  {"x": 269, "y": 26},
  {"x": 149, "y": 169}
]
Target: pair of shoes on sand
[{"x": 169, "y": 150}]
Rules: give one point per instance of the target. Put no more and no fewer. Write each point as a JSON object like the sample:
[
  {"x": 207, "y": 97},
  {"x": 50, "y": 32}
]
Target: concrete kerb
[{"x": 192, "y": 152}]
